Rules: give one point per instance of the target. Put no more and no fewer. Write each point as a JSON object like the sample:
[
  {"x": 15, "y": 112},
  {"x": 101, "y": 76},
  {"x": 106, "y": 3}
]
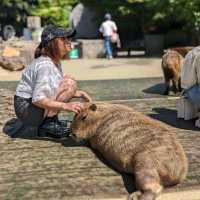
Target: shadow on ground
[
  {"x": 169, "y": 116},
  {"x": 128, "y": 179},
  {"x": 159, "y": 89},
  {"x": 155, "y": 89}
]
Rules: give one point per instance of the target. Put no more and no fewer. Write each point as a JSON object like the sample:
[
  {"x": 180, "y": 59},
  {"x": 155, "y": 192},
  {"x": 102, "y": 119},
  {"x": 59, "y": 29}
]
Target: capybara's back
[
  {"x": 172, "y": 63},
  {"x": 182, "y": 50},
  {"x": 134, "y": 143}
]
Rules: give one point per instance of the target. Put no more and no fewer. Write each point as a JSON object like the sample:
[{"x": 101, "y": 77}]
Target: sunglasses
[{"x": 67, "y": 41}]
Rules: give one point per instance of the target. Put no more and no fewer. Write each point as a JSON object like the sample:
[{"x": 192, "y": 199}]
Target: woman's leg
[
  {"x": 66, "y": 91},
  {"x": 28, "y": 113}
]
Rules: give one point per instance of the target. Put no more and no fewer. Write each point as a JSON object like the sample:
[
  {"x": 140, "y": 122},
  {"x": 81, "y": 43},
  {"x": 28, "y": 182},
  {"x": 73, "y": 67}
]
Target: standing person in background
[
  {"x": 108, "y": 28},
  {"x": 190, "y": 79},
  {"x": 44, "y": 90}
]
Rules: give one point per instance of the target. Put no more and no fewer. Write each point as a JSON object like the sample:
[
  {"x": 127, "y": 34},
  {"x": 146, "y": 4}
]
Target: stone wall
[{"x": 92, "y": 48}]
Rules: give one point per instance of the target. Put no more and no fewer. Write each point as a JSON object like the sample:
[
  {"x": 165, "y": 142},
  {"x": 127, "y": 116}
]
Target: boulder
[
  {"x": 15, "y": 54},
  {"x": 12, "y": 63}
]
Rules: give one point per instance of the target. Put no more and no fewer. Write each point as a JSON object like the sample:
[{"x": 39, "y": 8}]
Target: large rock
[
  {"x": 15, "y": 54},
  {"x": 12, "y": 63}
]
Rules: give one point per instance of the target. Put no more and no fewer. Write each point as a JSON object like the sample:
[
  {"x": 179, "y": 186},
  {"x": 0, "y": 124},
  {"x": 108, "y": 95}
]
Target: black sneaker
[{"x": 52, "y": 127}]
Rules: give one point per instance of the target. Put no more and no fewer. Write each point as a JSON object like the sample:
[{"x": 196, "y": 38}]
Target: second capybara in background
[
  {"x": 182, "y": 50},
  {"x": 172, "y": 62},
  {"x": 133, "y": 143}
]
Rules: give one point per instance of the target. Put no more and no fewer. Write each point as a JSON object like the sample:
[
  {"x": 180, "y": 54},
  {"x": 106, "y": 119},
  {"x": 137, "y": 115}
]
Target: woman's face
[{"x": 64, "y": 46}]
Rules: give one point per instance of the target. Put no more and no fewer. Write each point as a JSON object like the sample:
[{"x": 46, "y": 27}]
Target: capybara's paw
[
  {"x": 134, "y": 196},
  {"x": 147, "y": 196}
]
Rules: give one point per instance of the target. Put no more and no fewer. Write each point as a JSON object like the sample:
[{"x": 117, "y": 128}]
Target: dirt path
[{"x": 101, "y": 69}]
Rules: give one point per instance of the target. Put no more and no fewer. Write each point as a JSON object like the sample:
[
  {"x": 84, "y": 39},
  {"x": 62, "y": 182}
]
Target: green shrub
[{"x": 54, "y": 11}]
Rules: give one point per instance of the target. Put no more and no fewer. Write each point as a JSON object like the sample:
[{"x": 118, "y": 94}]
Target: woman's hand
[
  {"x": 55, "y": 106},
  {"x": 84, "y": 95},
  {"x": 66, "y": 76},
  {"x": 75, "y": 107}
]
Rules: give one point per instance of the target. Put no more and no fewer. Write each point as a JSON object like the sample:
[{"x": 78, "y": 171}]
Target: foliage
[
  {"x": 169, "y": 14},
  {"x": 124, "y": 12},
  {"x": 14, "y": 12},
  {"x": 132, "y": 16},
  {"x": 54, "y": 11},
  {"x": 153, "y": 15}
]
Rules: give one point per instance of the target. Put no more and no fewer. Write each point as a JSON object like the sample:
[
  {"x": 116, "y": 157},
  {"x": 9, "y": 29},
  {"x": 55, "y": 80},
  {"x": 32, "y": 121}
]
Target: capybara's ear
[{"x": 93, "y": 107}]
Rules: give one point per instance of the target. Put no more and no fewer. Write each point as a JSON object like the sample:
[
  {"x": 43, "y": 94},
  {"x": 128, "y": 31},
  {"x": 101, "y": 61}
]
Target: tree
[
  {"x": 124, "y": 12},
  {"x": 152, "y": 15},
  {"x": 54, "y": 11},
  {"x": 14, "y": 12},
  {"x": 135, "y": 17}
]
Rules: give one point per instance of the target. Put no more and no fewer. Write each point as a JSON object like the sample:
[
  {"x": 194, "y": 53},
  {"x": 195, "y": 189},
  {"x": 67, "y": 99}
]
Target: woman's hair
[{"x": 51, "y": 49}]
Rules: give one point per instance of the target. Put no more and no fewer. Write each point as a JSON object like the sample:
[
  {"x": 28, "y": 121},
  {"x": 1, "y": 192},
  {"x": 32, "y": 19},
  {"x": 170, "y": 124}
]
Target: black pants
[{"x": 27, "y": 112}]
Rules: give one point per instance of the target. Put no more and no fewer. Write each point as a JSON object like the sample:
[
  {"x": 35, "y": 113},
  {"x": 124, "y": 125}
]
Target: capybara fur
[
  {"x": 133, "y": 143},
  {"x": 182, "y": 50},
  {"x": 172, "y": 62}
]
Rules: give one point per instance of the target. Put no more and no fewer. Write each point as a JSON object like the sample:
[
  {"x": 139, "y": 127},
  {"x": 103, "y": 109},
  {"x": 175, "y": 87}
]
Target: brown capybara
[
  {"x": 133, "y": 143},
  {"x": 182, "y": 50},
  {"x": 172, "y": 63}
]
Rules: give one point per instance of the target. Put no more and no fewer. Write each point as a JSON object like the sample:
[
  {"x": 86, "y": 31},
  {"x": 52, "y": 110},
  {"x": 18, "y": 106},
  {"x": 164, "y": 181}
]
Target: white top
[
  {"x": 190, "y": 73},
  {"x": 40, "y": 79},
  {"x": 107, "y": 28}
]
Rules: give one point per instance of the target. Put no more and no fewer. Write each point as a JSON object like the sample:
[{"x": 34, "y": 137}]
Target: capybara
[
  {"x": 172, "y": 63},
  {"x": 133, "y": 143},
  {"x": 182, "y": 50}
]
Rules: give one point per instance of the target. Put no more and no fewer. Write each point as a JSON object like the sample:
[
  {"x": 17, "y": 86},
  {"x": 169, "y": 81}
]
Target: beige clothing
[{"x": 190, "y": 73}]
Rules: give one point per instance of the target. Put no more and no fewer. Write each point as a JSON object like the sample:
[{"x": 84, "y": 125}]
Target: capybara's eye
[
  {"x": 84, "y": 117},
  {"x": 93, "y": 107}
]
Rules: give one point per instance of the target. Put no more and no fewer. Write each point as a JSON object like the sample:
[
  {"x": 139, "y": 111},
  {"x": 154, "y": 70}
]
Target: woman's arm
[
  {"x": 84, "y": 95},
  {"x": 49, "y": 104}
]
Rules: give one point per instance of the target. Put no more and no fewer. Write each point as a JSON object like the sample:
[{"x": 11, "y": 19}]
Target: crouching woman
[{"x": 44, "y": 90}]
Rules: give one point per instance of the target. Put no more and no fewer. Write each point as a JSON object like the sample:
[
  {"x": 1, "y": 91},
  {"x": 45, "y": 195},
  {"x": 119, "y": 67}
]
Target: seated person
[{"x": 44, "y": 90}]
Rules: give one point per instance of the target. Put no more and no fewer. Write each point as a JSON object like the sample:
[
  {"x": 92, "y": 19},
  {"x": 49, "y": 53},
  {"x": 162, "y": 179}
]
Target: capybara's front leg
[
  {"x": 134, "y": 196},
  {"x": 146, "y": 195},
  {"x": 175, "y": 86},
  {"x": 147, "y": 178},
  {"x": 167, "y": 86}
]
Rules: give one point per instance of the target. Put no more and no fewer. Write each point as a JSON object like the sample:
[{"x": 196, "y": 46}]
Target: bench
[{"x": 130, "y": 46}]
